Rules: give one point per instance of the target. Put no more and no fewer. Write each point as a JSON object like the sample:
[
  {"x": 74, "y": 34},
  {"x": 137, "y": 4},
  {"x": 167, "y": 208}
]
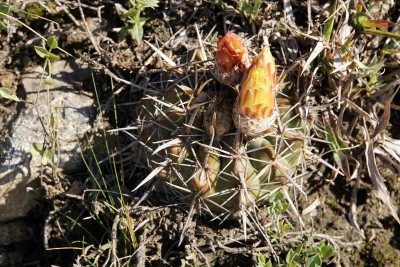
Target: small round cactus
[{"x": 229, "y": 149}]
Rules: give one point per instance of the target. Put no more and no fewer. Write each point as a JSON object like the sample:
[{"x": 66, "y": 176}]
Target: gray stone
[{"x": 74, "y": 111}]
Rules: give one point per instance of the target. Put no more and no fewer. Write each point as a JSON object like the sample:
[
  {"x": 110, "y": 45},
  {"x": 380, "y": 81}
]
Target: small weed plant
[
  {"x": 308, "y": 253},
  {"x": 134, "y": 20}
]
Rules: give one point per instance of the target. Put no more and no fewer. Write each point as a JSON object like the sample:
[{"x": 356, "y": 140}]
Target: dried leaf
[
  {"x": 384, "y": 119},
  {"x": 7, "y": 93},
  {"x": 392, "y": 147},
  {"x": 376, "y": 179}
]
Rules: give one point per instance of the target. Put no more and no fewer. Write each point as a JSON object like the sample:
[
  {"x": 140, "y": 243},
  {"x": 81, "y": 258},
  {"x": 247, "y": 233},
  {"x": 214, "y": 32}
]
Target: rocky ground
[{"x": 68, "y": 171}]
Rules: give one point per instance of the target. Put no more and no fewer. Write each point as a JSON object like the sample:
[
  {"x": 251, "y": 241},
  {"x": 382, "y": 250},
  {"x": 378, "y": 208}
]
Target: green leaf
[
  {"x": 257, "y": 5},
  {"x": 37, "y": 148},
  {"x": 150, "y": 3},
  {"x": 359, "y": 20},
  {"x": 52, "y": 57},
  {"x": 335, "y": 140},
  {"x": 41, "y": 51},
  {"x": 391, "y": 48},
  {"x": 292, "y": 258},
  {"x": 247, "y": 8},
  {"x": 346, "y": 46},
  {"x": 130, "y": 14},
  {"x": 286, "y": 227},
  {"x": 275, "y": 197},
  {"x": 283, "y": 207},
  {"x": 8, "y": 94},
  {"x": 299, "y": 248},
  {"x": 47, "y": 157},
  {"x": 268, "y": 264},
  {"x": 327, "y": 251},
  {"x": 2, "y": 26},
  {"x": 52, "y": 122},
  {"x": 123, "y": 33},
  {"x": 328, "y": 27},
  {"x": 4, "y": 10},
  {"x": 52, "y": 42},
  {"x": 141, "y": 21},
  {"x": 47, "y": 154},
  {"x": 214, "y": 37},
  {"x": 340, "y": 149},
  {"x": 381, "y": 33},
  {"x": 374, "y": 68},
  {"x": 261, "y": 259},
  {"x": 137, "y": 32},
  {"x": 314, "y": 261}
]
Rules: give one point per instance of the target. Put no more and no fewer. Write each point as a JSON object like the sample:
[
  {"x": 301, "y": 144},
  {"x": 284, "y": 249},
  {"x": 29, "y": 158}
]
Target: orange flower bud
[
  {"x": 232, "y": 59},
  {"x": 254, "y": 110},
  {"x": 231, "y": 52}
]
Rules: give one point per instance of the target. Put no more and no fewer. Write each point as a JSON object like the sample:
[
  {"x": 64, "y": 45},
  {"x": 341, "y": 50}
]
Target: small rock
[{"x": 74, "y": 113}]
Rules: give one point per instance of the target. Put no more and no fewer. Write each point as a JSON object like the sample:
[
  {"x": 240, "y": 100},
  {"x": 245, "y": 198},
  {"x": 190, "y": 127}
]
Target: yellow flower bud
[{"x": 254, "y": 110}]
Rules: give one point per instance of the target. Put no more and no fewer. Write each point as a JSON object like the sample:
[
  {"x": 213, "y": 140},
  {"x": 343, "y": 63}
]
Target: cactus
[{"x": 228, "y": 149}]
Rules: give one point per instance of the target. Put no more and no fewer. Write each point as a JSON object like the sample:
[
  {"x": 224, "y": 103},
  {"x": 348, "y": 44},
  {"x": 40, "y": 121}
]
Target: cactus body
[
  {"x": 207, "y": 156},
  {"x": 219, "y": 170}
]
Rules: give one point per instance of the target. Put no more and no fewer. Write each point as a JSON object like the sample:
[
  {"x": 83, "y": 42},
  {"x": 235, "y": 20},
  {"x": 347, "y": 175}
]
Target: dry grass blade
[
  {"x": 358, "y": 109},
  {"x": 392, "y": 147},
  {"x": 311, "y": 207},
  {"x": 376, "y": 178},
  {"x": 353, "y": 209},
  {"x": 317, "y": 50},
  {"x": 164, "y": 56},
  {"x": 292, "y": 205}
]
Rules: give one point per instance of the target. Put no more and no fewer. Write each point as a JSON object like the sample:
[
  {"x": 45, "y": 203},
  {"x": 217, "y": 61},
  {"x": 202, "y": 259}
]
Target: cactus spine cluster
[{"x": 229, "y": 149}]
